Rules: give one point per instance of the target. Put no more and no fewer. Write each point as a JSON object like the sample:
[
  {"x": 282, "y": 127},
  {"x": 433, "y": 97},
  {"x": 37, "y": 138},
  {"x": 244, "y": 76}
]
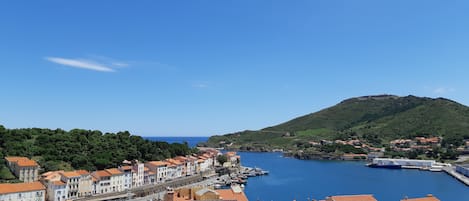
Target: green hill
[
  {"x": 374, "y": 119},
  {"x": 81, "y": 149}
]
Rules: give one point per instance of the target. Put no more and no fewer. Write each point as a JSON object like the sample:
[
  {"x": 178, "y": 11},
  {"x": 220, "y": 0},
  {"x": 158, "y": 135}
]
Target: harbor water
[{"x": 292, "y": 179}]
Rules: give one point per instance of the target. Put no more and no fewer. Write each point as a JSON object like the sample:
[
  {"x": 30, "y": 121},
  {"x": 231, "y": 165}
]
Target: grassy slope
[{"x": 385, "y": 117}]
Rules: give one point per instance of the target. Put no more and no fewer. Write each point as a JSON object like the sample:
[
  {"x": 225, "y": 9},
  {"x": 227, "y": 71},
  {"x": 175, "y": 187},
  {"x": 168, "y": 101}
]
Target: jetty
[{"x": 452, "y": 171}]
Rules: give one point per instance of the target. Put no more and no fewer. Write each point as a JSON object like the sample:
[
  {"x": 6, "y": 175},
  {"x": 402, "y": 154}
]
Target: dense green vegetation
[
  {"x": 81, "y": 149},
  {"x": 373, "y": 119}
]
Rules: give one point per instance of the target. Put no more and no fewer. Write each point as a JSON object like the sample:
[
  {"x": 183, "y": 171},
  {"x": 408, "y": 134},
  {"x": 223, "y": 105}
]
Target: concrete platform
[{"x": 452, "y": 171}]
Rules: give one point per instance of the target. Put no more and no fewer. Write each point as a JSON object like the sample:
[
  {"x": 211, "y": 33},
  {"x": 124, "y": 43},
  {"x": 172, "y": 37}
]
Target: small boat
[{"x": 388, "y": 166}]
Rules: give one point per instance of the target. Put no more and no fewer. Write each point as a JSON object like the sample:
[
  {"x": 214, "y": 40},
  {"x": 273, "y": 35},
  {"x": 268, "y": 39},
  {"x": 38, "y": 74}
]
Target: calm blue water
[
  {"x": 192, "y": 141},
  {"x": 302, "y": 179},
  {"x": 299, "y": 179}
]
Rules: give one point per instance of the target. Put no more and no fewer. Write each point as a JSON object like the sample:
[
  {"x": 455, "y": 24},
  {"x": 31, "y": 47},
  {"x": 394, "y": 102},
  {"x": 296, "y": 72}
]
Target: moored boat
[{"x": 388, "y": 166}]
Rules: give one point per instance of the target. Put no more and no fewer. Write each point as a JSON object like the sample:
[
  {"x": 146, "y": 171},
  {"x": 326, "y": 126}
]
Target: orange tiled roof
[
  {"x": 126, "y": 167},
  {"x": 27, "y": 163},
  {"x": 151, "y": 172},
  {"x": 228, "y": 194},
  {"x": 70, "y": 174},
  {"x": 15, "y": 158},
  {"x": 158, "y": 163},
  {"x": 21, "y": 187},
  {"x": 59, "y": 183},
  {"x": 174, "y": 162},
  {"x": 428, "y": 198},
  {"x": 102, "y": 173},
  {"x": 353, "y": 198},
  {"x": 82, "y": 172},
  {"x": 114, "y": 171},
  {"x": 145, "y": 169}
]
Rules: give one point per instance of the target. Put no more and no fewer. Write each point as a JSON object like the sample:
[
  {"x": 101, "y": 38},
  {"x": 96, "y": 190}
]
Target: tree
[{"x": 222, "y": 159}]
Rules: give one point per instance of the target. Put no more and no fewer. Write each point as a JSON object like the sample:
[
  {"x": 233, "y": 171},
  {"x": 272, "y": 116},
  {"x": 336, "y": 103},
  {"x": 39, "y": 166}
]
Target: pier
[{"x": 452, "y": 171}]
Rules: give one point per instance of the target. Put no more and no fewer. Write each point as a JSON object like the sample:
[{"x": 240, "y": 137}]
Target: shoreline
[{"x": 448, "y": 170}]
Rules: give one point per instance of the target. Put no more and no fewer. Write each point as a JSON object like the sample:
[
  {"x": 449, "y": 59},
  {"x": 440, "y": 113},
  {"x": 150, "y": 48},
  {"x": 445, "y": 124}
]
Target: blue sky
[{"x": 199, "y": 68}]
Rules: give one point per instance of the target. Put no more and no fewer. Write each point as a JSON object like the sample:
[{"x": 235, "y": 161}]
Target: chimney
[{"x": 429, "y": 195}]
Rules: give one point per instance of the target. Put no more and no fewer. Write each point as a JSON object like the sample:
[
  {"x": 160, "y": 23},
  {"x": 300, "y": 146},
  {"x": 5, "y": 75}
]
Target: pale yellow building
[
  {"x": 25, "y": 169},
  {"x": 85, "y": 183}
]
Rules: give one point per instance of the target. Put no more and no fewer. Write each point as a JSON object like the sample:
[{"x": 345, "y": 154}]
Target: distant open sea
[
  {"x": 192, "y": 141},
  {"x": 293, "y": 179}
]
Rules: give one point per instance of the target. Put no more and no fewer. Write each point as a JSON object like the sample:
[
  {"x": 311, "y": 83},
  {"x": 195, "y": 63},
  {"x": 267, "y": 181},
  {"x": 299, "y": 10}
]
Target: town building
[
  {"x": 429, "y": 197},
  {"x": 85, "y": 185},
  {"x": 138, "y": 173},
  {"x": 174, "y": 169},
  {"x": 235, "y": 193},
  {"x": 31, "y": 191},
  {"x": 127, "y": 170},
  {"x": 117, "y": 180},
  {"x": 25, "y": 169},
  {"x": 351, "y": 198},
  {"x": 103, "y": 181},
  {"x": 56, "y": 188},
  {"x": 72, "y": 181},
  {"x": 160, "y": 168}
]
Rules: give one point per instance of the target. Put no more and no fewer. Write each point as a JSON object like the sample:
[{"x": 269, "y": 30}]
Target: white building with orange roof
[
  {"x": 117, "y": 179},
  {"x": 204, "y": 163},
  {"x": 127, "y": 170},
  {"x": 194, "y": 169},
  {"x": 25, "y": 169},
  {"x": 103, "y": 181},
  {"x": 72, "y": 179},
  {"x": 174, "y": 169},
  {"x": 185, "y": 163},
  {"x": 138, "y": 173},
  {"x": 56, "y": 188},
  {"x": 31, "y": 191},
  {"x": 85, "y": 186},
  {"x": 160, "y": 168}
]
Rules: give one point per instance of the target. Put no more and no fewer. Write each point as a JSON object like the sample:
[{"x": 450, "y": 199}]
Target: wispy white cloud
[
  {"x": 200, "y": 85},
  {"x": 81, "y": 63},
  {"x": 443, "y": 90}
]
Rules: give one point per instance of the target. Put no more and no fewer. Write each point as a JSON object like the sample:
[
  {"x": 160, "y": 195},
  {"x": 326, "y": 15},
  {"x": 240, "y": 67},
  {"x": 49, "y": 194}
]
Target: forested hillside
[{"x": 81, "y": 149}]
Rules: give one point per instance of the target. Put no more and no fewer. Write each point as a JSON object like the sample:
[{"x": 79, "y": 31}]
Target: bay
[
  {"x": 293, "y": 179},
  {"x": 301, "y": 180}
]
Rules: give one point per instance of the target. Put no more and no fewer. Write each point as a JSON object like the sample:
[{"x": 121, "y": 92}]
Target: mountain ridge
[{"x": 376, "y": 119}]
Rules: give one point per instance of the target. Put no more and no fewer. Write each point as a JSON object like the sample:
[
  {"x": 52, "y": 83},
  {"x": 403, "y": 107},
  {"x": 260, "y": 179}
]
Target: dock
[{"x": 452, "y": 171}]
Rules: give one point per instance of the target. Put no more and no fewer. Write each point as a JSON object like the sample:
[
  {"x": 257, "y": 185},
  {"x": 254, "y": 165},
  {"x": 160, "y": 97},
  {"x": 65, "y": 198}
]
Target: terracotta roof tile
[
  {"x": 27, "y": 163},
  {"x": 126, "y": 167},
  {"x": 21, "y": 187},
  {"x": 70, "y": 174},
  {"x": 82, "y": 172},
  {"x": 114, "y": 171},
  {"x": 15, "y": 158},
  {"x": 102, "y": 173},
  {"x": 352, "y": 198},
  {"x": 58, "y": 183},
  {"x": 428, "y": 198},
  {"x": 158, "y": 163},
  {"x": 228, "y": 194}
]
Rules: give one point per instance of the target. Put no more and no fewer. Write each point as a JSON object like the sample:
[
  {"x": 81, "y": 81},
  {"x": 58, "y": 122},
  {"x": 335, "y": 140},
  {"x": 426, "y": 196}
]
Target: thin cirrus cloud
[
  {"x": 443, "y": 90},
  {"x": 86, "y": 64}
]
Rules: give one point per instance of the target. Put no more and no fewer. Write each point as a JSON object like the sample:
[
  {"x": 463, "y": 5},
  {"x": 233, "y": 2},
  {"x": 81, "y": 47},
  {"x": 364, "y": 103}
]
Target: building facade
[
  {"x": 32, "y": 191},
  {"x": 25, "y": 169},
  {"x": 72, "y": 181}
]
